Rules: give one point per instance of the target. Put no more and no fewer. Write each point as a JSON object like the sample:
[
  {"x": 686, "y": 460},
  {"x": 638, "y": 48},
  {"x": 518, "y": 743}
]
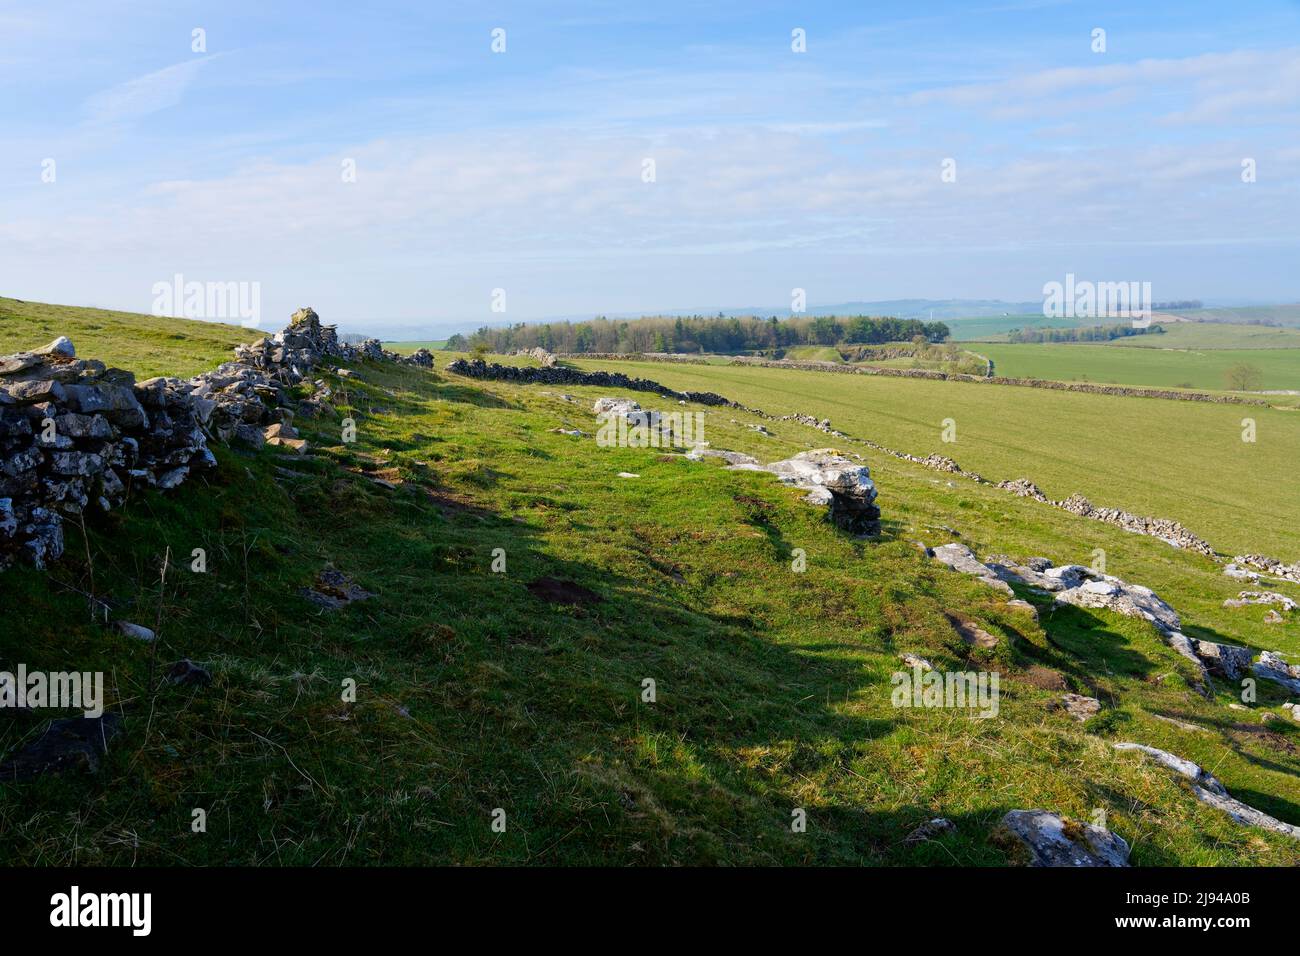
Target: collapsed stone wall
[
  {"x": 76, "y": 436},
  {"x": 547, "y": 359},
  {"x": 676, "y": 357},
  {"x": 1270, "y": 566}
]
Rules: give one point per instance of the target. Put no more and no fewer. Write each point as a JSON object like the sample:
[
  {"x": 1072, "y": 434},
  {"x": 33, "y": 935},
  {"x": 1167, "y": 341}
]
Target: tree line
[
  {"x": 1090, "y": 333},
  {"x": 698, "y": 333}
]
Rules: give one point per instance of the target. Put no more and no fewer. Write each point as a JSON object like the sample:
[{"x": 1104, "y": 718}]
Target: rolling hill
[{"x": 524, "y": 583}]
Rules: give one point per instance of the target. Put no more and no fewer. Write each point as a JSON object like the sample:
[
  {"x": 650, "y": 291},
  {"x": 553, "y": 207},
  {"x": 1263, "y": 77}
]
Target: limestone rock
[
  {"x": 1080, "y": 707},
  {"x": 1133, "y": 600},
  {"x": 930, "y": 830},
  {"x": 1272, "y": 666},
  {"x": 137, "y": 631},
  {"x": 72, "y": 743},
  {"x": 971, "y": 633},
  {"x": 842, "y": 484},
  {"x": 961, "y": 558},
  {"x": 732, "y": 458},
  {"x": 1052, "y": 840},
  {"x": 334, "y": 590},
  {"x": 1247, "y": 598},
  {"x": 185, "y": 673},
  {"x": 1225, "y": 660},
  {"x": 1210, "y": 791},
  {"x": 1023, "y": 607}
]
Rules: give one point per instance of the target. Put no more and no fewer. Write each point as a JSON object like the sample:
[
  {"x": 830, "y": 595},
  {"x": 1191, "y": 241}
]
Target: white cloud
[
  {"x": 1217, "y": 84},
  {"x": 145, "y": 94}
]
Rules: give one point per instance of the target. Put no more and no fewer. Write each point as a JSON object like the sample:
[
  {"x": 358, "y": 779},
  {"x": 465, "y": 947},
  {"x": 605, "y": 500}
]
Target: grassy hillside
[
  {"x": 1185, "y": 366},
  {"x": 145, "y": 344},
  {"x": 772, "y": 686},
  {"x": 814, "y": 353},
  {"x": 1181, "y": 460}
]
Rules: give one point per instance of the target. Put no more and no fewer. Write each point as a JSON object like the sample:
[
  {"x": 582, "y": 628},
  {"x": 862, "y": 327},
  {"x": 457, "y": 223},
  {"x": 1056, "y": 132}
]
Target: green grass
[
  {"x": 814, "y": 353},
  {"x": 145, "y": 344},
  {"x": 1181, "y": 460},
  {"x": 977, "y": 329},
  {"x": 1166, "y": 367},
  {"x": 773, "y": 687},
  {"x": 1205, "y": 335}
]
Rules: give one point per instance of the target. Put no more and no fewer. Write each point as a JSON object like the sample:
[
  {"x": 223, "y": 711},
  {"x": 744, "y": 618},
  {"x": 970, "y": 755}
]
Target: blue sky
[{"x": 523, "y": 170}]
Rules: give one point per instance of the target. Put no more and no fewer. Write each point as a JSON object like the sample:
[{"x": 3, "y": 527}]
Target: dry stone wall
[
  {"x": 76, "y": 436},
  {"x": 563, "y": 375}
]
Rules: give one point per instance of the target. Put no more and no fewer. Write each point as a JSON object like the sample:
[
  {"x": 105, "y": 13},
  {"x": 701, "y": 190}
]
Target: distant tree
[
  {"x": 457, "y": 343},
  {"x": 1244, "y": 377}
]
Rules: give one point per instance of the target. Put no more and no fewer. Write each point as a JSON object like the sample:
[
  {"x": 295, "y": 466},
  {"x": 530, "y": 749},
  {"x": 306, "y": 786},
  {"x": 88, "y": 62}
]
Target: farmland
[
  {"x": 1166, "y": 367},
  {"x": 1146, "y": 455}
]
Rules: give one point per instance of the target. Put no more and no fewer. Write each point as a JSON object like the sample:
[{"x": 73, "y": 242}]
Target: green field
[
  {"x": 1205, "y": 335},
  {"x": 1157, "y": 367},
  {"x": 978, "y": 329},
  {"x": 406, "y": 348},
  {"x": 773, "y": 687},
  {"x": 814, "y": 353},
  {"x": 1288, "y": 314},
  {"x": 1182, "y": 460}
]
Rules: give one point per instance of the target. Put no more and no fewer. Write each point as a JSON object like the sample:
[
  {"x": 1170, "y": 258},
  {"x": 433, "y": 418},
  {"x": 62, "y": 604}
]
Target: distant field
[
  {"x": 144, "y": 344},
  {"x": 406, "y": 348},
  {"x": 1182, "y": 460},
  {"x": 1288, "y": 314},
  {"x": 968, "y": 330},
  {"x": 814, "y": 353},
  {"x": 1206, "y": 335},
  {"x": 1203, "y": 369}
]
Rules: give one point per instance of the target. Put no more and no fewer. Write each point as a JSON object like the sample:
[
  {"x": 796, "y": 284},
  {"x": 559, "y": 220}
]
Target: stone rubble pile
[
  {"x": 545, "y": 358},
  {"x": 1247, "y": 598},
  {"x": 1166, "y": 530},
  {"x": 1269, "y": 566},
  {"x": 76, "y": 436}
]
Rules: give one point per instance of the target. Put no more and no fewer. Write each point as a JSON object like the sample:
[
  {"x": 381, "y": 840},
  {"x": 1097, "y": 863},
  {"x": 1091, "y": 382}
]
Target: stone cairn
[{"x": 76, "y": 436}]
